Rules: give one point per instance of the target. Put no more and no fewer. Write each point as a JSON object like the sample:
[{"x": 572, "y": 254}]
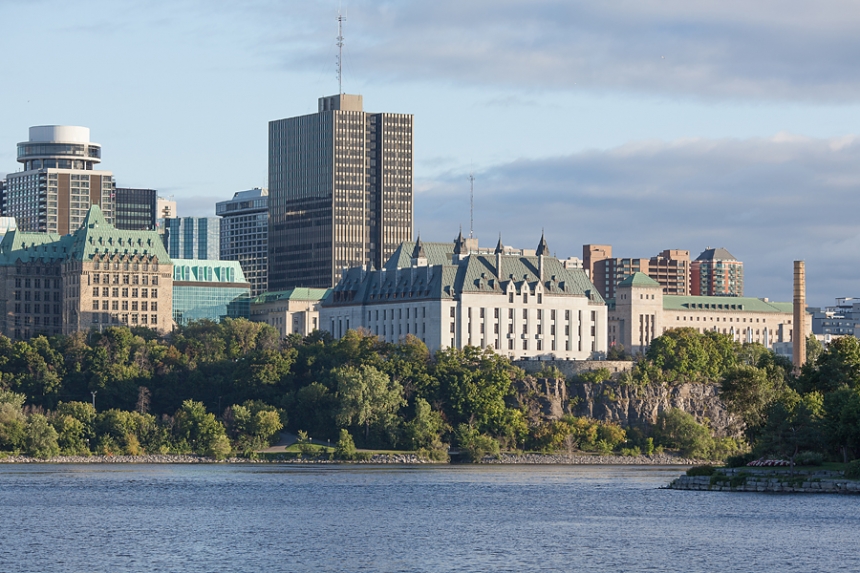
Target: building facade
[
  {"x": 95, "y": 277},
  {"x": 671, "y": 268},
  {"x": 135, "y": 209},
  {"x": 245, "y": 233},
  {"x": 717, "y": 273},
  {"x": 209, "y": 290},
  {"x": 641, "y": 312},
  {"x": 59, "y": 182},
  {"x": 841, "y": 319},
  {"x": 340, "y": 191},
  {"x": 449, "y": 296},
  {"x": 193, "y": 237},
  {"x": 295, "y": 311}
]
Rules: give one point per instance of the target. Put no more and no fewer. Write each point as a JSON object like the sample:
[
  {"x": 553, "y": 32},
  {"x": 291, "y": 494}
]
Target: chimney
[{"x": 798, "y": 336}]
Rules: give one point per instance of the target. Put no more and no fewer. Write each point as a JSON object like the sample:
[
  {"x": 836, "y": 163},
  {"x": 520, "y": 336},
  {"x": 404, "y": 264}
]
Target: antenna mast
[
  {"x": 340, "y": 20},
  {"x": 471, "y": 205}
]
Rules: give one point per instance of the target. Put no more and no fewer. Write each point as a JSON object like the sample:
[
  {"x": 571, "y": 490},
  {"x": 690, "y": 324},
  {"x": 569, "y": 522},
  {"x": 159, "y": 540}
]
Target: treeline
[
  {"x": 217, "y": 389},
  {"x": 237, "y": 385}
]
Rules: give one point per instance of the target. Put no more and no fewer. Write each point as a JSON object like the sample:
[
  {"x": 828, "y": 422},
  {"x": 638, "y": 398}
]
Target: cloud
[
  {"x": 770, "y": 49},
  {"x": 769, "y": 201}
]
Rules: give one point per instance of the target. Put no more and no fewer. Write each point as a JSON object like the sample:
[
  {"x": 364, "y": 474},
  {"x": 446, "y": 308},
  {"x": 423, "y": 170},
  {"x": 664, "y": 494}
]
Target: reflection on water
[{"x": 378, "y": 518}]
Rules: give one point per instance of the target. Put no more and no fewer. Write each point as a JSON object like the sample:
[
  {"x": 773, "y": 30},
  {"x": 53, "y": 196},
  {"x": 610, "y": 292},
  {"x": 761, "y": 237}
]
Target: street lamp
[{"x": 94, "y": 392}]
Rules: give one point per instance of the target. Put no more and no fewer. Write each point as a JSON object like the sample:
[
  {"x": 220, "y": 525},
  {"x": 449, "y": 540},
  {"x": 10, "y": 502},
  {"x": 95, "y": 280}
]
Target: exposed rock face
[
  {"x": 639, "y": 406},
  {"x": 624, "y": 404},
  {"x": 544, "y": 398}
]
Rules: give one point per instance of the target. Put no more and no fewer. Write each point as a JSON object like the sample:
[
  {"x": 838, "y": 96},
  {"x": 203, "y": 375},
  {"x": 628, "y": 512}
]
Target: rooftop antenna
[
  {"x": 471, "y": 205},
  {"x": 340, "y": 20}
]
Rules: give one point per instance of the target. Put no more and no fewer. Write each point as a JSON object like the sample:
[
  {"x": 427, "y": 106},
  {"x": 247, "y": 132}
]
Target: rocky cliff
[{"x": 624, "y": 404}]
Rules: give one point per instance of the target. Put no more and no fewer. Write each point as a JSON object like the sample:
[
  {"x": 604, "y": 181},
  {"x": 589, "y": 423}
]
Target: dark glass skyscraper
[
  {"x": 134, "y": 209},
  {"x": 340, "y": 191}
]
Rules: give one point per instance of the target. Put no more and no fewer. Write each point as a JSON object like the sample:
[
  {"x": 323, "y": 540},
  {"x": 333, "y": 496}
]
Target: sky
[{"x": 641, "y": 124}]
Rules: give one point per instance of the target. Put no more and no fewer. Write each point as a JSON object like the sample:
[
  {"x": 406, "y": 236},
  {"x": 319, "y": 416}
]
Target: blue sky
[{"x": 647, "y": 125}]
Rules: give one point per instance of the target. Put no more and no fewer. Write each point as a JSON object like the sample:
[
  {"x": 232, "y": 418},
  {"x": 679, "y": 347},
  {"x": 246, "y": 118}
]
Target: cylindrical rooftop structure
[{"x": 59, "y": 147}]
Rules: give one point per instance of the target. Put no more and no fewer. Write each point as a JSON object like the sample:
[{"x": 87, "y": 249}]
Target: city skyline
[{"x": 648, "y": 127}]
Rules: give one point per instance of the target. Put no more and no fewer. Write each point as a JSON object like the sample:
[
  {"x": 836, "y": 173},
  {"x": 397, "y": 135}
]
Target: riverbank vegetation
[{"x": 232, "y": 388}]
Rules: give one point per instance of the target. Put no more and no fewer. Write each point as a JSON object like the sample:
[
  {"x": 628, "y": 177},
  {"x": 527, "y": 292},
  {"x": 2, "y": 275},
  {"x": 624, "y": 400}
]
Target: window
[
  {"x": 114, "y": 291},
  {"x": 540, "y": 300},
  {"x": 525, "y": 297},
  {"x": 95, "y": 305},
  {"x": 525, "y": 314},
  {"x": 143, "y": 292},
  {"x": 125, "y": 279},
  {"x": 125, "y": 291},
  {"x": 453, "y": 310},
  {"x": 482, "y": 313},
  {"x": 452, "y": 328},
  {"x": 154, "y": 293},
  {"x": 95, "y": 291},
  {"x": 510, "y": 297},
  {"x": 114, "y": 305},
  {"x": 134, "y": 292},
  {"x": 105, "y": 291},
  {"x": 125, "y": 307}
]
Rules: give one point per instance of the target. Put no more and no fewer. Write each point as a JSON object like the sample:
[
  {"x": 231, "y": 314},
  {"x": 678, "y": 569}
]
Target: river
[{"x": 265, "y": 518}]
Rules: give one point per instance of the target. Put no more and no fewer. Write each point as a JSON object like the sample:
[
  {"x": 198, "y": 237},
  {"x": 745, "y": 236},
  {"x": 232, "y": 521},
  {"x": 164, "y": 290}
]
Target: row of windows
[
  {"x": 124, "y": 319},
  {"x": 133, "y": 279},
  {"x": 37, "y": 295},
  {"x": 37, "y": 308},
  {"x": 115, "y": 292},
  {"x": 115, "y": 305}
]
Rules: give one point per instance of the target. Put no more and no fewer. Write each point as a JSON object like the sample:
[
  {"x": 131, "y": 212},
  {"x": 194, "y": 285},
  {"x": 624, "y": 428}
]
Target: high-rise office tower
[
  {"x": 340, "y": 191},
  {"x": 135, "y": 209},
  {"x": 244, "y": 234},
  {"x": 59, "y": 183},
  {"x": 193, "y": 238}
]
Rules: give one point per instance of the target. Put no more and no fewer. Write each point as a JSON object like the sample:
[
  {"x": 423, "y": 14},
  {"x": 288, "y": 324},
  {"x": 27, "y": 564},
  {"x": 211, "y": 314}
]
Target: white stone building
[{"x": 451, "y": 295}]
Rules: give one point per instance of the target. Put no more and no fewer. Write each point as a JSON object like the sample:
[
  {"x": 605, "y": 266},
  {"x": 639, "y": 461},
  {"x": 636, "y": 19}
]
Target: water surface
[{"x": 191, "y": 518}]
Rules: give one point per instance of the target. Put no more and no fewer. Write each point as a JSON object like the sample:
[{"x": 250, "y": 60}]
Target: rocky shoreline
[
  {"x": 512, "y": 459},
  {"x": 757, "y": 480}
]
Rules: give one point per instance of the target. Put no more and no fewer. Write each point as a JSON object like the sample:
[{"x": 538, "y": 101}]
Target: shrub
[
  {"x": 345, "y": 447},
  {"x": 41, "y": 439},
  {"x": 475, "y": 446},
  {"x": 739, "y": 460},
  {"x": 678, "y": 429},
  {"x": 852, "y": 470},
  {"x": 706, "y": 470},
  {"x": 809, "y": 459},
  {"x": 631, "y": 452},
  {"x": 434, "y": 454}
]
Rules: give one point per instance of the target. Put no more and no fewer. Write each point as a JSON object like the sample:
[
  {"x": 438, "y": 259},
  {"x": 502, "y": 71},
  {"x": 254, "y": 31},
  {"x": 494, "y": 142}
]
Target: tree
[
  {"x": 345, "y": 448},
  {"x": 678, "y": 429},
  {"x": 425, "y": 429},
  {"x": 474, "y": 445},
  {"x": 793, "y": 424},
  {"x": 200, "y": 430},
  {"x": 837, "y": 367},
  {"x": 368, "y": 397},
  {"x": 748, "y": 392},
  {"x": 41, "y": 438}
]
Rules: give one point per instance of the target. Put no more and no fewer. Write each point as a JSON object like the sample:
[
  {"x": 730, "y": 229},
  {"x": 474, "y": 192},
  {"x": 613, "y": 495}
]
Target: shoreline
[
  {"x": 379, "y": 459},
  {"x": 765, "y": 480}
]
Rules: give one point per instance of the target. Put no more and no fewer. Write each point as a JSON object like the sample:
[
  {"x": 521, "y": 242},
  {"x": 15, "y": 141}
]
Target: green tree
[
  {"x": 368, "y": 398},
  {"x": 41, "y": 438},
  {"x": 199, "y": 429},
  {"x": 13, "y": 424},
  {"x": 345, "y": 449},
  {"x": 793, "y": 425},
  {"x": 425, "y": 429},
  {"x": 678, "y": 429},
  {"x": 475, "y": 446},
  {"x": 748, "y": 392}
]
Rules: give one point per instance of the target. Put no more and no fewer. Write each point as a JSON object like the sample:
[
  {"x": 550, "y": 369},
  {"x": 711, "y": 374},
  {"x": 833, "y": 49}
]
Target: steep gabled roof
[{"x": 719, "y": 254}]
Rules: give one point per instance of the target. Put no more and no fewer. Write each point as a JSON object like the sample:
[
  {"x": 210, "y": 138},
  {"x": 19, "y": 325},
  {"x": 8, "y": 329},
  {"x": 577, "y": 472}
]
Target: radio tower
[
  {"x": 340, "y": 20},
  {"x": 471, "y": 205}
]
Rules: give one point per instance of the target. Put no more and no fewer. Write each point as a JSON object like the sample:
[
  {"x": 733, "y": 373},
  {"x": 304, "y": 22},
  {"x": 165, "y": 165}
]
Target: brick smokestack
[{"x": 798, "y": 336}]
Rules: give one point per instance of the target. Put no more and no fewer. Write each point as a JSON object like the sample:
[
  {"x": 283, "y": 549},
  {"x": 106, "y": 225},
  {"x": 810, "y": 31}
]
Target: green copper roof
[
  {"x": 638, "y": 279},
  {"x": 436, "y": 254},
  {"x": 726, "y": 303},
  {"x": 97, "y": 236},
  {"x": 30, "y": 247},
  {"x": 298, "y": 293}
]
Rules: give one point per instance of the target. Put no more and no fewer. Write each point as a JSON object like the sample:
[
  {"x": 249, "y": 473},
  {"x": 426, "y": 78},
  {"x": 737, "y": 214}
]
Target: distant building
[
  {"x": 135, "y": 209},
  {"x": 671, "y": 268},
  {"x": 7, "y": 224},
  {"x": 193, "y": 237},
  {"x": 244, "y": 235},
  {"x": 641, "y": 312},
  {"x": 295, "y": 311},
  {"x": 340, "y": 191},
  {"x": 842, "y": 319},
  {"x": 93, "y": 278},
  {"x": 165, "y": 208},
  {"x": 448, "y": 295},
  {"x": 59, "y": 182},
  {"x": 209, "y": 290},
  {"x": 717, "y": 273}
]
